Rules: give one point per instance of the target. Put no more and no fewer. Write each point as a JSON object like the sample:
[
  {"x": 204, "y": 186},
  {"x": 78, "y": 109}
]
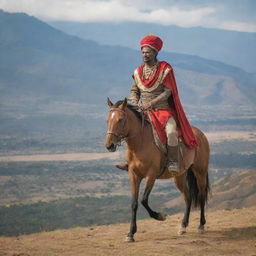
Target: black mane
[{"x": 133, "y": 108}]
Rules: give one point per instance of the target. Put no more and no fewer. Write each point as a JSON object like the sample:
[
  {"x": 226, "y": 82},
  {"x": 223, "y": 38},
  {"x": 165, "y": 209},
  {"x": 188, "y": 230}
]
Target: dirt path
[{"x": 228, "y": 233}]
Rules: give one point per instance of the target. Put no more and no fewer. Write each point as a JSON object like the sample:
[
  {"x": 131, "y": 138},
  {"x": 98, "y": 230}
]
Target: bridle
[{"x": 122, "y": 137}]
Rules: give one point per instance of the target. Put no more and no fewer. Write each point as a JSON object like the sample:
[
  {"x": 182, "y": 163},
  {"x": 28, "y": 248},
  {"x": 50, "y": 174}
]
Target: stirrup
[{"x": 173, "y": 166}]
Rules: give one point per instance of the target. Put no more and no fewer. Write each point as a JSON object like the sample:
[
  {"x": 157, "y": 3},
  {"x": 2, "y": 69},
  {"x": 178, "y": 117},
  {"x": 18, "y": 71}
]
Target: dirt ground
[{"x": 228, "y": 232}]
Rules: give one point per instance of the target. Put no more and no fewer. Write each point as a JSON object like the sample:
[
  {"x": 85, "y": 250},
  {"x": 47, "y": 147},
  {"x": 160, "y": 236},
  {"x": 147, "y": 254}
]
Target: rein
[{"x": 123, "y": 137}]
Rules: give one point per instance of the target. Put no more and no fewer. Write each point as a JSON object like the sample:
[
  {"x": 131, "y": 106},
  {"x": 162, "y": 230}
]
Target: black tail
[{"x": 193, "y": 188}]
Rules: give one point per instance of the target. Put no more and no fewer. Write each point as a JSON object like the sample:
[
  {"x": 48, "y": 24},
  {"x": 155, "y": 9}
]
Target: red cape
[{"x": 160, "y": 117}]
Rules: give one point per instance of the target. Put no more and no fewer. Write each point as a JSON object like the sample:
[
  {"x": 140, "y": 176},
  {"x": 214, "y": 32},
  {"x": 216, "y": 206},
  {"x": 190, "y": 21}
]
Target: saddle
[
  {"x": 161, "y": 146},
  {"x": 186, "y": 155}
]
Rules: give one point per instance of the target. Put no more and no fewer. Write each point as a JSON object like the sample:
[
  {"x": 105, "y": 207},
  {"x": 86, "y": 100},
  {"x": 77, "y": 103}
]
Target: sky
[{"x": 236, "y": 15}]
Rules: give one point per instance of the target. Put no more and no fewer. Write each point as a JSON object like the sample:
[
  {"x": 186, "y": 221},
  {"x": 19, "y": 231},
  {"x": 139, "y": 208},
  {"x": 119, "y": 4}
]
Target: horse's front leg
[
  {"x": 150, "y": 181},
  {"x": 135, "y": 186}
]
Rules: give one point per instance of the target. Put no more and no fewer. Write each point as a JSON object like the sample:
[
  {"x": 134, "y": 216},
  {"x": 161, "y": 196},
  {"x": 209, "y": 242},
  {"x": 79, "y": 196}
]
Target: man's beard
[{"x": 149, "y": 60}]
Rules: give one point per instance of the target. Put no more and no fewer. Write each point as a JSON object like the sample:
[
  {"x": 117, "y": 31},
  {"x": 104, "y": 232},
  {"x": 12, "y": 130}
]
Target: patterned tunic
[{"x": 161, "y": 91}]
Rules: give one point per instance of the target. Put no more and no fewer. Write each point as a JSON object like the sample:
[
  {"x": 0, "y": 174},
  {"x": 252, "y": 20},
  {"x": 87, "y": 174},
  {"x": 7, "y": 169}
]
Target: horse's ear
[
  {"x": 110, "y": 104},
  {"x": 124, "y": 103}
]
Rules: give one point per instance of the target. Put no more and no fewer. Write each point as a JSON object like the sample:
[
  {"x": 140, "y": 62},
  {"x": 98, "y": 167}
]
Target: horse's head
[{"x": 116, "y": 121}]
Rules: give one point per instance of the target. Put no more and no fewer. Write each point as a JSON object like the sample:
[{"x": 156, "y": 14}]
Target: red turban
[{"x": 151, "y": 41}]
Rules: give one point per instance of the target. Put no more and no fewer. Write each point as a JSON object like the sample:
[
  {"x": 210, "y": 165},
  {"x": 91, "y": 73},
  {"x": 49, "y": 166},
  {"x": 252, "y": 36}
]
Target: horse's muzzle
[{"x": 111, "y": 147}]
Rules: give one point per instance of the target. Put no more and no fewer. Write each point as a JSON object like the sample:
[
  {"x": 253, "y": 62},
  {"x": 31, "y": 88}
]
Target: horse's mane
[{"x": 131, "y": 107}]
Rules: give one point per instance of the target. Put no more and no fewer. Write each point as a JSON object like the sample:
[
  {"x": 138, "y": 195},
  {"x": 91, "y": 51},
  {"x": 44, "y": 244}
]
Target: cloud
[
  {"x": 174, "y": 15},
  {"x": 105, "y": 11},
  {"x": 239, "y": 26},
  {"x": 172, "y": 12}
]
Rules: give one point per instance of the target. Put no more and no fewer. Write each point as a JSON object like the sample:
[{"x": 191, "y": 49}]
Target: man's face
[{"x": 148, "y": 55}]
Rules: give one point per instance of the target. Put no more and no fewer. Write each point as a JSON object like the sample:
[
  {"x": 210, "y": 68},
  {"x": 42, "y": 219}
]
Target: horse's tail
[{"x": 193, "y": 189}]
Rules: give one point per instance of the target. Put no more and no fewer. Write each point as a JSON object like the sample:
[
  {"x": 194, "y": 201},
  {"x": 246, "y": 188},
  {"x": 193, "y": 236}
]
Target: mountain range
[
  {"x": 39, "y": 60},
  {"x": 231, "y": 47},
  {"x": 53, "y": 86}
]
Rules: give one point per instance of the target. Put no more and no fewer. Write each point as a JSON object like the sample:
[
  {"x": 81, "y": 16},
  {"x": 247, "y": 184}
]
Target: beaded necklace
[{"x": 149, "y": 72}]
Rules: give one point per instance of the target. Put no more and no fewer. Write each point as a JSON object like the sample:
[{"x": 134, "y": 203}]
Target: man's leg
[{"x": 172, "y": 144}]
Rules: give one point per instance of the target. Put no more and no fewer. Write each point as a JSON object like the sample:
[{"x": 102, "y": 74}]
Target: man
[{"x": 155, "y": 91}]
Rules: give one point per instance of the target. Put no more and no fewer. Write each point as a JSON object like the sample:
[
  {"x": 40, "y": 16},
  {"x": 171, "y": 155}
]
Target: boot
[
  {"x": 173, "y": 159},
  {"x": 123, "y": 166}
]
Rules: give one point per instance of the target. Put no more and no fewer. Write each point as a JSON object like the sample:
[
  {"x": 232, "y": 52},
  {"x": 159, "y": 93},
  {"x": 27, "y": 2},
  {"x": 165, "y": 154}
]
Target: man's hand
[{"x": 146, "y": 106}]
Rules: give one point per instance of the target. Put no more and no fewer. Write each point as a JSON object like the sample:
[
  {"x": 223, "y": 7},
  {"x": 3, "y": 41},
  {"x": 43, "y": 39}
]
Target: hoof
[
  {"x": 129, "y": 239},
  {"x": 182, "y": 231},
  {"x": 200, "y": 229},
  {"x": 161, "y": 216}
]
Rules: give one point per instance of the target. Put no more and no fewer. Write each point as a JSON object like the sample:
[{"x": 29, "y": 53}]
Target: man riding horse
[{"x": 155, "y": 92}]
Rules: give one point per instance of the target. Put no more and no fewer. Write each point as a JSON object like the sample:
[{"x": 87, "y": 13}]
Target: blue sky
[{"x": 226, "y": 14}]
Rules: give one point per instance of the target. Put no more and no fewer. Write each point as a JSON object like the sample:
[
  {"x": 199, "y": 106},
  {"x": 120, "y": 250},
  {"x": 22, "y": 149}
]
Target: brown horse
[{"x": 145, "y": 161}]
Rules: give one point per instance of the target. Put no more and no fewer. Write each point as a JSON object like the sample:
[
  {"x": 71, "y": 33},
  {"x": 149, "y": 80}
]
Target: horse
[{"x": 144, "y": 160}]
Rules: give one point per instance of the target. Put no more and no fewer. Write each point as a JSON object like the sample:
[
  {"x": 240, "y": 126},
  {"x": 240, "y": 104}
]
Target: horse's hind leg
[
  {"x": 184, "y": 186},
  {"x": 185, "y": 220},
  {"x": 194, "y": 193},
  {"x": 202, "y": 215},
  {"x": 149, "y": 185},
  {"x": 203, "y": 186}
]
